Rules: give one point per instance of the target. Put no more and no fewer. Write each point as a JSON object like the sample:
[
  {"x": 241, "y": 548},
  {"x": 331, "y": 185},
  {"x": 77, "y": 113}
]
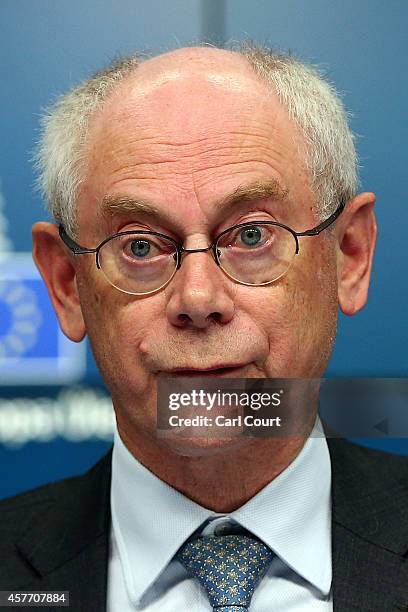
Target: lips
[{"x": 217, "y": 371}]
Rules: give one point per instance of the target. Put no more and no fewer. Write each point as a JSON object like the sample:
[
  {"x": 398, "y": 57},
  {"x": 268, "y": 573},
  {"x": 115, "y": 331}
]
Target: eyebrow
[
  {"x": 113, "y": 204},
  {"x": 255, "y": 191},
  {"x": 258, "y": 190}
]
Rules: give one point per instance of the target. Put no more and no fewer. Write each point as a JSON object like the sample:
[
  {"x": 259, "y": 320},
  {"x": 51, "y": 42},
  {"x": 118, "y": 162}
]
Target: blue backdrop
[{"x": 50, "y": 428}]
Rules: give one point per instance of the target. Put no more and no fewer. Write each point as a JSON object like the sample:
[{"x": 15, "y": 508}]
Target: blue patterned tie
[{"x": 228, "y": 567}]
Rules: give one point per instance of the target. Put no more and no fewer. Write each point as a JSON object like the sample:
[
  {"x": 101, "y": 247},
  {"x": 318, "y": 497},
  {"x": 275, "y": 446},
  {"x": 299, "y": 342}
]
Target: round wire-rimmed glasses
[{"x": 255, "y": 253}]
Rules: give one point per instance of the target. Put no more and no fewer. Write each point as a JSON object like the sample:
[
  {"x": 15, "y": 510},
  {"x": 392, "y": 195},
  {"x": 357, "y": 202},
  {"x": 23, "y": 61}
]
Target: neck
[{"x": 221, "y": 478}]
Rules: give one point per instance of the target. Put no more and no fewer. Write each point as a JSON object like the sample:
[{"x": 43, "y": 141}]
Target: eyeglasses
[{"x": 254, "y": 253}]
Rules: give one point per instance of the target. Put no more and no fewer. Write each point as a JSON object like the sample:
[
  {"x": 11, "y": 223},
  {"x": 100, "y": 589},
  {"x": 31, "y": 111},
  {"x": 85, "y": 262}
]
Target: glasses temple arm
[
  {"x": 322, "y": 226},
  {"x": 73, "y": 246}
]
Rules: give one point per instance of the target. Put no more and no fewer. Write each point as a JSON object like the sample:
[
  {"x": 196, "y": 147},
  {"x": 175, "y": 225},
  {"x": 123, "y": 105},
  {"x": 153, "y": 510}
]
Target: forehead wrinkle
[{"x": 227, "y": 155}]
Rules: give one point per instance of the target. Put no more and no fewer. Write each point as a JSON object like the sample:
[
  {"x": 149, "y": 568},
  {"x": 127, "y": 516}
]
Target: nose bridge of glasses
[{"x": 200, "y": 250}]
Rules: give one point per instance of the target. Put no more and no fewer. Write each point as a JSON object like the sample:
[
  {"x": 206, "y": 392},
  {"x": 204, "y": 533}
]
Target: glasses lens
[
  {"x": 138, "y": 263},
  {"x": 256, "y": 254}
]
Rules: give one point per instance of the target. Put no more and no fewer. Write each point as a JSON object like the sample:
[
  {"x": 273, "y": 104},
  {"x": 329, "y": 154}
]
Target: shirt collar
[
  {"x": 150, "y": 519},
  {"x": 292, "y": 515}
]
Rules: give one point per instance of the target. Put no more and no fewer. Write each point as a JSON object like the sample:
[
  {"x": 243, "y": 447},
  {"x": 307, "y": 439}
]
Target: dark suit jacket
[{"x": 56, "y": 537}]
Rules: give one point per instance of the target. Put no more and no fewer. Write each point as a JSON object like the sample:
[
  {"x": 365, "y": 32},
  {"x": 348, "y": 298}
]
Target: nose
[{"x": 199, "y": 296}]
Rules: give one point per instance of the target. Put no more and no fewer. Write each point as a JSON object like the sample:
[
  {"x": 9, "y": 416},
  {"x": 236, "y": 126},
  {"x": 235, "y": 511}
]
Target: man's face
[{"x": 183, "y": 135}]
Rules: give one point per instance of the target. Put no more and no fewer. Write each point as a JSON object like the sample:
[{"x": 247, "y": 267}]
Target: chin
[{"x": 200, "y": 446}]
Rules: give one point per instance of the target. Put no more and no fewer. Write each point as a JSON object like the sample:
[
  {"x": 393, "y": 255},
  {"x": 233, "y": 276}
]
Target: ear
[
  {"x": 356, "y": 232},
  {"x": 57, "y": 267}
]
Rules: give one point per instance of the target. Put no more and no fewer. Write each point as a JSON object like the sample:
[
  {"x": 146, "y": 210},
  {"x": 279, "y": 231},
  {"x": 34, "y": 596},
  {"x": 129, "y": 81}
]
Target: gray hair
[{"x": 312, "y": 103}]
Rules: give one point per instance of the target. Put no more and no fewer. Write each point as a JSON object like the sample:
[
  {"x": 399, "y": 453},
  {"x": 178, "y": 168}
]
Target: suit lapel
[
  {"x": 369, "y": 530},
  {"x": 67, "y": 541}
]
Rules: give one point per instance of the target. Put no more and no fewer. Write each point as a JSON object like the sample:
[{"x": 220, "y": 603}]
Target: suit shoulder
[
  {"x": 43, "y": 528},
  {"x": 23, "y": 504},
  {"x": 370, "y": 493},
  {"x": 39, "y": 495},
  {"x": 369, "y": 458}
]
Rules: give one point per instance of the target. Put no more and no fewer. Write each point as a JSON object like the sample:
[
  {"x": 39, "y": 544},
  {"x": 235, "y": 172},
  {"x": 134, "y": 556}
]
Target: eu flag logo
[{"x": 33, "y": 350}]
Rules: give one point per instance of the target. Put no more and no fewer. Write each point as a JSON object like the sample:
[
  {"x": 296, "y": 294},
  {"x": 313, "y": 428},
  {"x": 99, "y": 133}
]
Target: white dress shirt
[{"x": 151, "y": 520}]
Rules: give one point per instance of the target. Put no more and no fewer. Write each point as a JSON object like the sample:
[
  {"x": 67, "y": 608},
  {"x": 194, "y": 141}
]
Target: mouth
[{"x": 216, "y": 371}]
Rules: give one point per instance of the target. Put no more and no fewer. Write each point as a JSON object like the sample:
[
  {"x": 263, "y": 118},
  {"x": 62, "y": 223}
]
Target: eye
[
  {"x": 251, "y": 236},
  {"x": 140, "y": 248}
]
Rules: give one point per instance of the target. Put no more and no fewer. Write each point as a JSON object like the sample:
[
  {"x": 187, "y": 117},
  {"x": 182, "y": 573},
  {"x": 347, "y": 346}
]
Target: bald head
[
  {"x": 194, "y": 59},
  {"x": 186, "y": 79}
]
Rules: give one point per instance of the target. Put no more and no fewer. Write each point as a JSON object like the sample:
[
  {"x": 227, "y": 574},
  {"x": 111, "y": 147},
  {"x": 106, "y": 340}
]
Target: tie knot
[{"x": 228, "y": 567}]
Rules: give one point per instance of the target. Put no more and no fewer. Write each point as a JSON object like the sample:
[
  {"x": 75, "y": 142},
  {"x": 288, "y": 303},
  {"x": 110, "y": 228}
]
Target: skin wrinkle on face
[
  {"x": 278, "y": 196},
  {"x": 115, "y": 208},
  {"x": 257, "y": 191}
]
